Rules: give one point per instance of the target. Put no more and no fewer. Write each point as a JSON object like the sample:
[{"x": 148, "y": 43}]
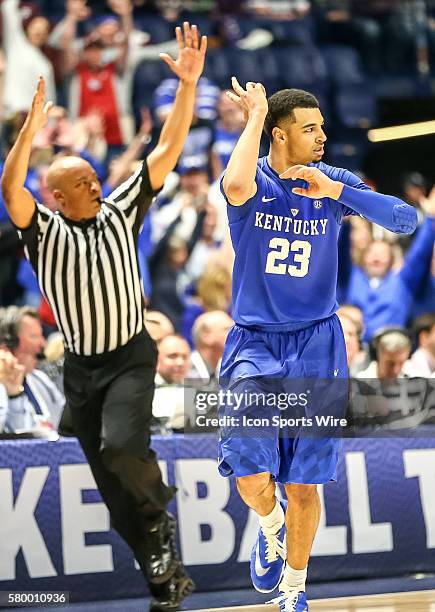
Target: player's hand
[
  {"x": 319, "y": 185},
  {"x": 428, "y": 204},
  {"x": 38, "y": 114},
  {"x": 191, "y": 56},
  {"x": 252, "y": 100}
]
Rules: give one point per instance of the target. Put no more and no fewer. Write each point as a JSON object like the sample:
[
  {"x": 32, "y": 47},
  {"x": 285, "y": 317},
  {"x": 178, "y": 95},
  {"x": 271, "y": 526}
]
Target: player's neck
[{"x": 280, "y": 161}]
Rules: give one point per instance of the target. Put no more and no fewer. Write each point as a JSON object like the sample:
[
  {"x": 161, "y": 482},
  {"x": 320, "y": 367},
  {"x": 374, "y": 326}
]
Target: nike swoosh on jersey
[
  {"x": 264, "y": 199},
  {"x": 259, "y": 569}
]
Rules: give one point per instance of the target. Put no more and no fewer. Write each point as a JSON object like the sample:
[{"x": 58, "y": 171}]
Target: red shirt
[{"x": 97, "y": 93}]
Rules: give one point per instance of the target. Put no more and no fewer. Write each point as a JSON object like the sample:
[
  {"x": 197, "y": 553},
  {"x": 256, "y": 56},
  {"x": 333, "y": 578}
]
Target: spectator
[
  {"x": 97, "y": 68},
  {"x": 207, "y": 96},
  {"x": 352, "y": 336},
  {"x": 392, "y": 348},
  {"x": 122, "y": 43},
  {"x": 189, "y": 196},
  {"x": 167, "y": 270},
  {"x": 385, "y": 296},
  {"x": 213, "y": 293},
  {"x": 383, "y": 395},
  {"x": 414, "y": 191},
  {"x": 209, "y": 333},
  {"x": 361, "y": 237},
  {"x": 34, "y": 404},
  {"x": 422, "y": 362},
  {"x": 196, "y": 152},
  {"x": 25, "y": 58},
  {"x": 172, "y": 368},
  {"x": 226, "y": 134},
  {"x": 205, "y": 246},
  {"x": 425, "y": 296}
]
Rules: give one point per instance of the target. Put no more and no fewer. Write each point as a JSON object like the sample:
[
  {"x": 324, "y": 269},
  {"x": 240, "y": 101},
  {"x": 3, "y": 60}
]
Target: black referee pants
[{"x": 110, "y": 399}]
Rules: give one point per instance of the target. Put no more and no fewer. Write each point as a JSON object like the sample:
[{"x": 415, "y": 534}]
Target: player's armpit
[
  {"x": 20, "y": 206},
  {"x": 239, "y": 197}
]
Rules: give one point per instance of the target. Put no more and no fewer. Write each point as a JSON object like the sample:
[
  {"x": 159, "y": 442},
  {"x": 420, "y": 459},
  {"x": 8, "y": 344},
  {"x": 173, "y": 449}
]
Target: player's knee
[
  {"x": 254, "y": 485},
  {"x": 301, "y": 494}
]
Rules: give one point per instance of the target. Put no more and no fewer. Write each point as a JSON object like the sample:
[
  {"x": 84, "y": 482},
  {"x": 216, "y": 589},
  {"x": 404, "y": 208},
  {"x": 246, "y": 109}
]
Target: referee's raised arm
[
  {"x": 188, "y": 68},
  {"x": 19, "y": 202}
]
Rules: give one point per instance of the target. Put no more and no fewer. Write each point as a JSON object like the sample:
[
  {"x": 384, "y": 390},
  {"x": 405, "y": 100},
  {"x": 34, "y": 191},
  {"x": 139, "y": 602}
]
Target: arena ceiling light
[{"x": 396, "y": 132}]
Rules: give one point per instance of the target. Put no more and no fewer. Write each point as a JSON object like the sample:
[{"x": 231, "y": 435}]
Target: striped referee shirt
[{"x": 88, "y": 270}]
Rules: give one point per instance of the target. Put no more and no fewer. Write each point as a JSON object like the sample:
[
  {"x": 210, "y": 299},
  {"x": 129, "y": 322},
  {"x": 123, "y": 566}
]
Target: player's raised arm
[
  {"x": 385, "y": 210},
  {"x": 239, "y": 180},
  {"x": 188, "y": 68},
  {"x": 19, "y": 202}
]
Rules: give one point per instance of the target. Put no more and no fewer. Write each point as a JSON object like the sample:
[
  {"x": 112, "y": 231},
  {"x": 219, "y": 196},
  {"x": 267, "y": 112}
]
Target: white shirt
[
  {"x": 24, "y": 63},
  {"x": 421, "y": 364},
  {"x": 18, "y": 415}
]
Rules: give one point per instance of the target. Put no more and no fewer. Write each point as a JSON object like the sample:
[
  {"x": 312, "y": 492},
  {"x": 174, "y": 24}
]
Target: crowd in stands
[{"x": 100, "y": 61}]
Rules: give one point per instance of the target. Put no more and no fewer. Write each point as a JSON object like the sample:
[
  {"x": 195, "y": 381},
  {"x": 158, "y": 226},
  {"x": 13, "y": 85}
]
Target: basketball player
[{"x": 285, "y": 212}]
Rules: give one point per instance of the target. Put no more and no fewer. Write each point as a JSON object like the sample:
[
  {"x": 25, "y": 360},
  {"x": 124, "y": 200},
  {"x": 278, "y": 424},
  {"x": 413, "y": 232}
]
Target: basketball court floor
[
  {"x": 423, "y": 601},
  {"x": 397, "y": 594}
]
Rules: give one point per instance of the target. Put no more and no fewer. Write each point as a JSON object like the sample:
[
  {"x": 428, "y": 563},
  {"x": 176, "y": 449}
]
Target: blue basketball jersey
[{"x": 286, "y": 255}]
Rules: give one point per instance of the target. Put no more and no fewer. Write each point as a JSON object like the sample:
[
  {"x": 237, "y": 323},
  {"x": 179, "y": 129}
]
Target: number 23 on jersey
[{"x": 280, "y": 249}]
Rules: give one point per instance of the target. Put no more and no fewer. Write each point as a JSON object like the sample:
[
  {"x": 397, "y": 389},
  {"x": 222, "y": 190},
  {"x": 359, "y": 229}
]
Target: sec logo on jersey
[{"x": 317, "y": 203}]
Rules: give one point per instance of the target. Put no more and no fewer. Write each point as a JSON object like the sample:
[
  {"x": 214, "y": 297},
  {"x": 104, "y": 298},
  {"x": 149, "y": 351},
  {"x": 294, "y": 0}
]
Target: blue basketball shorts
[{"x": 307, "y": 370}]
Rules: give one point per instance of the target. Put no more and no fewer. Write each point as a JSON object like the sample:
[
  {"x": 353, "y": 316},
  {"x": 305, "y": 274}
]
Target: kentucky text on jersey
[
  {"x": 278, "y": 223},
  {"x": 285, "y": 245}
]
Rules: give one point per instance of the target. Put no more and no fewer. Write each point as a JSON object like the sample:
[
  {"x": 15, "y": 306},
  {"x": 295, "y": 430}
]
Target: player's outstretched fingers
[
  {"x": 300, "y": 191},
  {"x": 237, "y": 87},
  {"x": 232, "y": 96},
  {"x": 250, "y": 85},
  {"x": 291, "y": 172}
]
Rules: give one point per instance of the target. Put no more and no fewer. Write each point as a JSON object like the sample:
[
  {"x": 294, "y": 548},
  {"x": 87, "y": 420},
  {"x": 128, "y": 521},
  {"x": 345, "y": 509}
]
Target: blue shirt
[
  {"x": 286, "y": 255},
  {"x": 389, "y": 301},
  {"x": 224, "y": 143}
]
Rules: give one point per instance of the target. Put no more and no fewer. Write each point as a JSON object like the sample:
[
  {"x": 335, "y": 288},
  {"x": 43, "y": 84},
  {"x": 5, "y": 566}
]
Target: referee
[{"x": 84, "y": 256}]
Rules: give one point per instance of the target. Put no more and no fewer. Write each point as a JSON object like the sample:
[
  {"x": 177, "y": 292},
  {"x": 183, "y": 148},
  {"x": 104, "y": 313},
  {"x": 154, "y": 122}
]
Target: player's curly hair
[{"x": 283, "y": 103}]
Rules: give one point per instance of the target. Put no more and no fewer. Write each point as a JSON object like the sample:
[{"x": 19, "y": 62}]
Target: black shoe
[
  {"x": 169, "y": 595},
  {"x": 162, "y": 555}
]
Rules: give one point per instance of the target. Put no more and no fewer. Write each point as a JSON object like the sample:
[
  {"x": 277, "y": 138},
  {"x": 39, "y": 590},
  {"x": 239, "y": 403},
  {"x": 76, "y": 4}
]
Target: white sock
[
  {"x": 273, "y": 521},
  {"x": 294, "y": 579}
]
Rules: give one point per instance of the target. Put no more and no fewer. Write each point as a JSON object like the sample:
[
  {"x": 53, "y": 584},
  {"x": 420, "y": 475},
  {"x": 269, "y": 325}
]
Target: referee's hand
[
  {"x": 38, "y": 114},
  {"x": 191, "y": 56}
]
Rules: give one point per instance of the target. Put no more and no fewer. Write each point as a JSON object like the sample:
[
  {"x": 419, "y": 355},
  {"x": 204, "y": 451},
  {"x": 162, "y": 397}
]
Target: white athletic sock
[
  {"x": 294, "y": 579},
  {"x": 273, "y": 521}
]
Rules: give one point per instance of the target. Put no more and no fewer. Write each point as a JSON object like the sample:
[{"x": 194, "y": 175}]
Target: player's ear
[{"x": 278, "y": 135}]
